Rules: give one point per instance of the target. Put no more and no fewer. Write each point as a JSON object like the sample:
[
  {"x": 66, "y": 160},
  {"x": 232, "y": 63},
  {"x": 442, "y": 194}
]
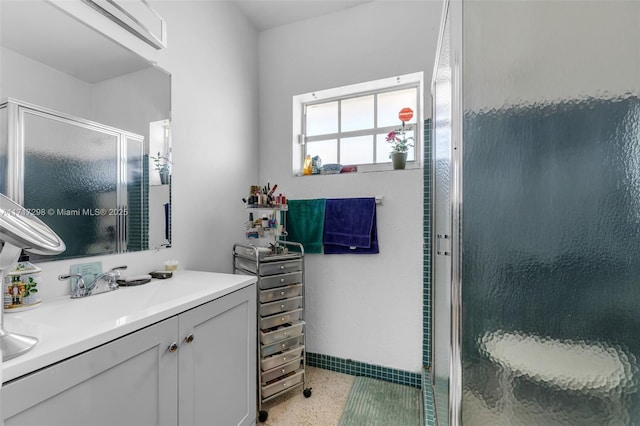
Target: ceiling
[{"x": 266, "y": 14}]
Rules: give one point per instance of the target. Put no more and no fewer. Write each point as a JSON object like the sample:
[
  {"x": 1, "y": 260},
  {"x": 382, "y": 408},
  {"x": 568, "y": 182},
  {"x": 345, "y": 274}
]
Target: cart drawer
[
  {"x": 272, "y": 268},
  {"x": 281, "y": 333},
  {"x": 246, "y": 264},
  {"x": 273, "y": 308},
  {"x": 279, "y": 319},
  {"x": 280, "y": 293},
  {"x": 277, "y": 360},
  {"x": 268, "y": 268},
  {"x": 281, "y": 346},
  {"x": 287, "y": 368},
  {"x": 280, "y": 280},
  {"x": 282, "y": 385}
]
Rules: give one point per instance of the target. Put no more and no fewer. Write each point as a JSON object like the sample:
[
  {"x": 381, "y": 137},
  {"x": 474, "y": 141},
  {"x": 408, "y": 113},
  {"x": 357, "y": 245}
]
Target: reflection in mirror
[{"x": 94, "y": 115}]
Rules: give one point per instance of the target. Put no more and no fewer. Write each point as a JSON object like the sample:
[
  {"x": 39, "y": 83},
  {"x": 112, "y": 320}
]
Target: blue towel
[
  {"x": 305, "y": 222},
  {"x": 350, "y": 226}
]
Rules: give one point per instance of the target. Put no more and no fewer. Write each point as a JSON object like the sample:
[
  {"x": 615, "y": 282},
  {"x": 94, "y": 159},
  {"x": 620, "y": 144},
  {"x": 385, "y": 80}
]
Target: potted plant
[
  {"x": 400, "y": 145},
  {"x": 161, "y": 164}
]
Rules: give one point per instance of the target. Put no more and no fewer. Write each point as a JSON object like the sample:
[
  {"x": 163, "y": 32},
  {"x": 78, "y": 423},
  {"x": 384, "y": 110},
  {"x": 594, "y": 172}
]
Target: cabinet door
[
  {"x": 130, "y": 381},
  {"x": 217, "y": 368}
]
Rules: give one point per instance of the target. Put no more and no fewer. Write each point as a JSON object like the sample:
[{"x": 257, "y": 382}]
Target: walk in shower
[{"x": 536, "y": 221}]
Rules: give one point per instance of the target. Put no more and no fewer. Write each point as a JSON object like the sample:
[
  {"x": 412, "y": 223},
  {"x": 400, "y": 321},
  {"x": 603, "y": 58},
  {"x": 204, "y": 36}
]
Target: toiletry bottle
[{"x": 307, "y": 165}]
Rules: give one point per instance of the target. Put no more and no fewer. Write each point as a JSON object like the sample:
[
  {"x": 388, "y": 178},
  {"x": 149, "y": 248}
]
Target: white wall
[
  {"x": 212, "y": 57},
  {"x": 362, "y": 307},
  {"x": 30, "y": 81}
]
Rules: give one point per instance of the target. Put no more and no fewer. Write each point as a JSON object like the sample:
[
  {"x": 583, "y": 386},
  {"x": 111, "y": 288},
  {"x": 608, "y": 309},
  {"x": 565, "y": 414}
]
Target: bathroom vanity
[{"x": 176, "y": 351}]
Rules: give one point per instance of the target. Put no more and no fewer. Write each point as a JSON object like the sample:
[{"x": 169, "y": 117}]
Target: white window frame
[{"x": 300, "y": 103}]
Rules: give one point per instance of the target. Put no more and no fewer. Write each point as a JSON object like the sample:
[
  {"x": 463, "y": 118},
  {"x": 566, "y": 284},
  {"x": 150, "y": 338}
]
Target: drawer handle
[
  {"x": 284, "y": 345},
  {"x": 284, "y": 358},
  {"x": 282, "y": 306},
  {"x": 285, "y": 334},
  {"x": 282, "y": 319},
  {"x": 173, "y": 347},
  {"x": 282, "y": 293},
  {"x": 281, "y": 280},
  {"x": 281, "y": 266},
  {"x": 284, "y": 385},
  {"x": 283, "y": 371},
  {"x": 189, "y": 338}
]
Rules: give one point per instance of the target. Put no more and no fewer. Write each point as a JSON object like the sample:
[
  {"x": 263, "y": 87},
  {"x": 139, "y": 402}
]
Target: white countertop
[{"x": 66, "y": 327}]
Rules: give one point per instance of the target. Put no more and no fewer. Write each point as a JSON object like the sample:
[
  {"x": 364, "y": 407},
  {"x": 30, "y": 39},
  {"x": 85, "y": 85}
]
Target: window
[{"x": 349, "y": 125}]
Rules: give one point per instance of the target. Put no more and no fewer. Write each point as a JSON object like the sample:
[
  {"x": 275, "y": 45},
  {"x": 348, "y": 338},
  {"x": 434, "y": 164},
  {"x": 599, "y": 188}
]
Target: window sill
[{"x": 368, "y": 168}]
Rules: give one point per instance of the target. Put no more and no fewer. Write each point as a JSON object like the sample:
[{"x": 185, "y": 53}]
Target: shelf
[{"x": 278, "y": 207}]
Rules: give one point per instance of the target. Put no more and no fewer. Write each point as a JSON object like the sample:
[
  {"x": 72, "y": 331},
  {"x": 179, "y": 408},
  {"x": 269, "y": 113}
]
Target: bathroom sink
[{"x": 65, "y": 327}]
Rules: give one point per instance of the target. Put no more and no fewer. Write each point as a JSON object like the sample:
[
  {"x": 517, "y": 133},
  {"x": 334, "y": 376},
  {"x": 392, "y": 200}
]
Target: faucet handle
[
  {"x": 80, "y": 289},
  {"x": 116, "y": 271},
  {"x": 113, "y": 274}
]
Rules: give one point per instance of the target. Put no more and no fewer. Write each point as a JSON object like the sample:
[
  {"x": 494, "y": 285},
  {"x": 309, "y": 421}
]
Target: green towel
[{"x": 305, "y": 223}]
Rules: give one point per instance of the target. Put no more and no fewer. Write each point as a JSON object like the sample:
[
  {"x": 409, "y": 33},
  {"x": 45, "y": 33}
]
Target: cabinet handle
[
  {"x": 282, "y": 306},
  {"x": 281, "y": 266},
  {"x": 281, "y": 280},
  {"x": 189, "y": 338},
  {"x": 282, "y": 293},
  {"x": 173, "y": 347}
]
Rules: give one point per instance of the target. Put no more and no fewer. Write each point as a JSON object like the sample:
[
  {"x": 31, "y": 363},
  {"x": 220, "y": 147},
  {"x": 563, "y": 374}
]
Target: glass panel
[
  {"x": 357, "y": 150},
  {"x": 322, "y": 119},
  {"x": 551, "y": 263},
  {"x": 72, "y": 170},
  {"x": 137, "y": 198},
  {"x": 326, "y": 150},
  {"x": 441, "y": 297},
  {"x": 357, "y": 113},
  {"x": 390, "y": 104}
]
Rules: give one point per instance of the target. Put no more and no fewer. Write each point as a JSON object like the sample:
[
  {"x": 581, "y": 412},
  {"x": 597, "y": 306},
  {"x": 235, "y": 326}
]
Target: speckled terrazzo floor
[{"x": 323, "y": 408}]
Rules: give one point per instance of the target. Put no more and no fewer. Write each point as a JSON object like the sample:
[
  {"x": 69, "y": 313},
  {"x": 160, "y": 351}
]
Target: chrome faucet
[{"x": 83, "y": 290}]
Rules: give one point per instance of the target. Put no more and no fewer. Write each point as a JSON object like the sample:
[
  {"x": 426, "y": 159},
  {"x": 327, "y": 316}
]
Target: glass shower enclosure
[{"x": 536, "y": 221}]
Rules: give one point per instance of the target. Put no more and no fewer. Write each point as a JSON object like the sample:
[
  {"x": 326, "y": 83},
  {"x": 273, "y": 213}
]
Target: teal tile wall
[
  {"x": 426, "y": 267},
  {"x": 427, "y": 395},
  {"x": 357, "y": 368}
]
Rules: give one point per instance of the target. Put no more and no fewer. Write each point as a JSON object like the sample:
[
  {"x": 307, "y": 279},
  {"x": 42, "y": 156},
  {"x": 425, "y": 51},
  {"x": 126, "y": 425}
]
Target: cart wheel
[
  {"x": 262, "y": 416},
  {"x": 307, "y": 392}
]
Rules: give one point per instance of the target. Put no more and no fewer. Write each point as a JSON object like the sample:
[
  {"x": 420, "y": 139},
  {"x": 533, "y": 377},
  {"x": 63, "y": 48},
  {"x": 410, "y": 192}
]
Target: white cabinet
[
  {"x": 194, "y": 368},
  {"x": 217, "y": 370}
]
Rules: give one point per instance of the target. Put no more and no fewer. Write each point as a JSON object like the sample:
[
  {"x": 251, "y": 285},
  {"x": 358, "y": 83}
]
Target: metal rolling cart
[{"x": 280, "y": 319}]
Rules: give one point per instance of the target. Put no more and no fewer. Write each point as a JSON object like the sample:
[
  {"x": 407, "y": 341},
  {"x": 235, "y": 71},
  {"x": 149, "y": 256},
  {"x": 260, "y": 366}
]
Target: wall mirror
[{"x": 85, "y": 136}]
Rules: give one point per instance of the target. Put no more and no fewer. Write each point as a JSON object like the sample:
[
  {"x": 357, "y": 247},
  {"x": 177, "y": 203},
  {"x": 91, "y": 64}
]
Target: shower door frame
[
  {"x": 18, "y": 110},
  {"x": 453, "y": 13}
]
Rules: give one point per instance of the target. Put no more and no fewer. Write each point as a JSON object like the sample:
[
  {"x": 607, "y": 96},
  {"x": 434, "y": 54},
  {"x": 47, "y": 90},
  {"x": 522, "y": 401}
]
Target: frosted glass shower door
[
  {"x": 71, "y": 181},
  {"x": 551, "y": 213}
]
